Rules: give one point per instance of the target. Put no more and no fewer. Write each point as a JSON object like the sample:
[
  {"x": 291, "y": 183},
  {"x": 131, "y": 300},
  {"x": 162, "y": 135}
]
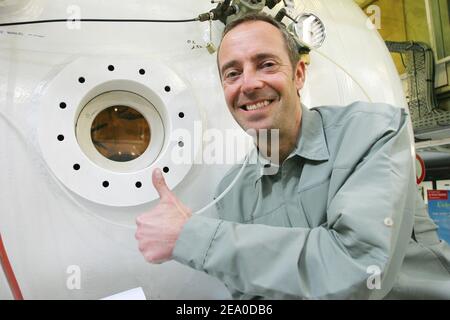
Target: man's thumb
[{"x": 160, "y": 184}]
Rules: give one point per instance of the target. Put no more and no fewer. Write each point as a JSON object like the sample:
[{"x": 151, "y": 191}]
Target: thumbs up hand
[{"x": 158, "y": 230}]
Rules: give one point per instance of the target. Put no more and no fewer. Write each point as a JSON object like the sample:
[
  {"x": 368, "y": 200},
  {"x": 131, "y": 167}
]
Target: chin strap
[{"x": 9, "y": 273}]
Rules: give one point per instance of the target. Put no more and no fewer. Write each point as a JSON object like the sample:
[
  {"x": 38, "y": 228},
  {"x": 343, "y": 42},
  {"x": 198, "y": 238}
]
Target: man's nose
[{"x": 250, "y": 82}]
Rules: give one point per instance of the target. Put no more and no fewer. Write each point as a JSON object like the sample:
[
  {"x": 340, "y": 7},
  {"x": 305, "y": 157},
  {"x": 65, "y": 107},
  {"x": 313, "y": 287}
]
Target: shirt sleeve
[{"x": 356, "y": 254}]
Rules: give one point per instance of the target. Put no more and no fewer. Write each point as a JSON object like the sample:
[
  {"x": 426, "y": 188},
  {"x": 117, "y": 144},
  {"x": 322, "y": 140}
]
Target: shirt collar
[{"x": 311, "y": 144}]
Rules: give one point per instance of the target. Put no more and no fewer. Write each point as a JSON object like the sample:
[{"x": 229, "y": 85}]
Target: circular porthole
[
  {"x": 103, "y": 138},
  {"x": 120, "y": 131}
]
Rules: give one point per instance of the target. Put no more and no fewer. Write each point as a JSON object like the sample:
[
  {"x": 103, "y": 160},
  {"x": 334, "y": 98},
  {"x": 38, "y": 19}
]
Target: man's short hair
[{"x": 291, "y": 45}]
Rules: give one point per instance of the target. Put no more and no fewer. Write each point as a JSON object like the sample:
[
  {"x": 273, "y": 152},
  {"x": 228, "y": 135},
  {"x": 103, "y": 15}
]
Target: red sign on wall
[
  {"x": 420, "y": 169},
  {"x": 437, "y": 194}
]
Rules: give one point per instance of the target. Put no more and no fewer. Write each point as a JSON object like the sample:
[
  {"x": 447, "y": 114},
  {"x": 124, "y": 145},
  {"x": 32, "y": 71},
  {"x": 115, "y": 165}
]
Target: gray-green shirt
[{"x": 340, "y": 219}]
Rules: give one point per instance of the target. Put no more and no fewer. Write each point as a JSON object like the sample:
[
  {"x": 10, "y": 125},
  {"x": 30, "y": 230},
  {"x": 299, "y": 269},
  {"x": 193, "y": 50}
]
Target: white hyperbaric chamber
[{"x": 71, "y": 188}]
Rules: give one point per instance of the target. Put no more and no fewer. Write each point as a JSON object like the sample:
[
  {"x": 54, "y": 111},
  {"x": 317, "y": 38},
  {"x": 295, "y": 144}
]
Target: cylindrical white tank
[{"x": 59, "y": 220}]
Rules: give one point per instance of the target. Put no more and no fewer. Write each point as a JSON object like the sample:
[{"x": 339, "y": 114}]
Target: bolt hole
[
  {"x": 105, "y": 184},
  {"x": 167, "y": 88},
  {"x": 166, "y": 169},
  {"x": 81, "y": 80},
  {"x": 181, "y": 144},
  {"x": 138, "y": 184},
  {"x": 60, "y": 137},
  {"x": 62, "y": 105},
  {"x": 142, "y": 71},
  {"x": 111, "y": 67},
  {"x": 181, "y": 115},
  {"x": 76, "y": 167}
]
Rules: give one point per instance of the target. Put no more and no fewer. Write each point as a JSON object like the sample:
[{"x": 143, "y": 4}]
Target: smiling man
[
  {"x": 340, "y": 218},
  {"x": 261, "y": 80}
]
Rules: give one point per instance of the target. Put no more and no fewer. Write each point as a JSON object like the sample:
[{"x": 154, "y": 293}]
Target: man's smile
[{"x": 256, "y": 105}]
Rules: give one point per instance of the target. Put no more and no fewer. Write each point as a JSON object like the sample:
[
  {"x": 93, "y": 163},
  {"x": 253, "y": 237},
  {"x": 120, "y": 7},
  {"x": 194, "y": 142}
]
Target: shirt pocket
[{"x": 313, "y": 202}]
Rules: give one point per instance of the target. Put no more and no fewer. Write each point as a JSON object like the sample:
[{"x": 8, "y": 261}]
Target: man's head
[{"x": 261, "y": 74}]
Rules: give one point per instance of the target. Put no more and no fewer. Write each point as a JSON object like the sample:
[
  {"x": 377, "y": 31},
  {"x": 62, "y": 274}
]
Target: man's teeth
[{"x": 258, "y": 105}]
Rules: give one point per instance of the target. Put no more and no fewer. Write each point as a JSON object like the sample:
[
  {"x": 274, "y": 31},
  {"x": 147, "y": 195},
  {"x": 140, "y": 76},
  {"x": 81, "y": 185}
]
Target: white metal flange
[{"x": 171, "y": 107}]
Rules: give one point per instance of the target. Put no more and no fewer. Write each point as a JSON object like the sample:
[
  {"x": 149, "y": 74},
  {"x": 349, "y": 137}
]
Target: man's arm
[{"x": 369, "y": 225}]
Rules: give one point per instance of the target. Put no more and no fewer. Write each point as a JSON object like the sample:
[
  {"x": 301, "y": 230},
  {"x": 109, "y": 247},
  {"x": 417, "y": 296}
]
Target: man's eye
[
  {"x": 268, "y": 65},
  {"x": 231, "y": 74}
]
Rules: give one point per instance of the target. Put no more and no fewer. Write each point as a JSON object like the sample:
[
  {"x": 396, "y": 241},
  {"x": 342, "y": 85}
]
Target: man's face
[{"x": 260, "y": 85}]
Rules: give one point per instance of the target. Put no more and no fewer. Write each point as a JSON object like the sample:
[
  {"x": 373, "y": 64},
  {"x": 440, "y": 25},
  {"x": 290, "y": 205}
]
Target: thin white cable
[{"x": 224, "y": 192}]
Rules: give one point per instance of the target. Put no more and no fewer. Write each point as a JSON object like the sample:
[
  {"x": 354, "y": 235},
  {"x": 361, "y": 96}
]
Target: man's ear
[{"x": 299, "y": 75}]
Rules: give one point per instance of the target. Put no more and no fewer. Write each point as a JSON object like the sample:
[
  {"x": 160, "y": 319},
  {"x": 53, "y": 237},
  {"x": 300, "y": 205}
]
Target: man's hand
[{"x": 158, "y": 230}]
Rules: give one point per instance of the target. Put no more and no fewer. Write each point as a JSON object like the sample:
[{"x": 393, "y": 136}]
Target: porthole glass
[{"x": 120, "y": 133}]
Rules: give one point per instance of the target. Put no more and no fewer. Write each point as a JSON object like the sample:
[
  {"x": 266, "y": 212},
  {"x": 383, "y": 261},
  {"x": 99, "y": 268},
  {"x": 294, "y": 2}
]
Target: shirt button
[{"x": 388, "y": 222}]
